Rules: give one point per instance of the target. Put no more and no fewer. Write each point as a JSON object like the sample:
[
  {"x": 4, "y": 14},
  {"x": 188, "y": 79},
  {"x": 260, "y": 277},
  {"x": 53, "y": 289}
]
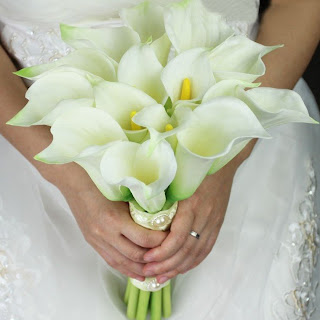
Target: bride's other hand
[{"x": 203, "y": 213}]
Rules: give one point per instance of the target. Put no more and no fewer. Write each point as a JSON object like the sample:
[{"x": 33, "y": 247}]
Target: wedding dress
[{"x": 263, "y": 265}]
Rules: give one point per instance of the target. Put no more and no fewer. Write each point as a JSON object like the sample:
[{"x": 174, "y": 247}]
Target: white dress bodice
[{"x": 30, "y": 29}]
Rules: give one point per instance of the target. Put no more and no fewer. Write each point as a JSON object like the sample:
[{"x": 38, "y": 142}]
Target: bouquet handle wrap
[{"x": 138, "y": 302}]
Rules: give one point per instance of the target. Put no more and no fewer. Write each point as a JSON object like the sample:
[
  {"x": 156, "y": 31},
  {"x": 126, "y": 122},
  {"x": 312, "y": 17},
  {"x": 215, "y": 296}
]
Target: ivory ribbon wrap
[{"x": 157, "y": 221}]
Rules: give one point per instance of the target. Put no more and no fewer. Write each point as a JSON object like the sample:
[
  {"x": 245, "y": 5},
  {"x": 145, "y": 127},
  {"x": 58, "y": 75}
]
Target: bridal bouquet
[{"x": 152, "y": 107}]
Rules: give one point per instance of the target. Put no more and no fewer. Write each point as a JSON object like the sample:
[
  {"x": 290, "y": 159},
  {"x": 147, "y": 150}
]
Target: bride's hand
[
  {"x": 107, "y": 225},
  {"x": 203, "y": 213}
]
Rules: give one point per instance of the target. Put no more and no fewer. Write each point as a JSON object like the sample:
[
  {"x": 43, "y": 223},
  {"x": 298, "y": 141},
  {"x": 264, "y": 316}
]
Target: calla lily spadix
[
  {"x": 190, "y": 25},
  {"x": 161, "y": 125},
  {"x": 150, "y": 105},
  {"x": 63, "y": 86},
  {"x": 120, "y": 100},
  {"x": 214, "y": 128},
  {"x": 194, "y": 65},
  {"x": 239, "y": 58},
  {"x": 146, "y": 176},
  {"x": 112, "y": 41},
  {"x": 89, "y": 60},
  {"x": 140, "y": 68}
]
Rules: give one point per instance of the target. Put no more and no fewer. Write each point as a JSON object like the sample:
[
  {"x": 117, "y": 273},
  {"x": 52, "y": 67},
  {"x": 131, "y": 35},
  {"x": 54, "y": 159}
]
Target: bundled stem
[
  {"x": 132, "y": 302},
  {"x": 138, "y": 302}
]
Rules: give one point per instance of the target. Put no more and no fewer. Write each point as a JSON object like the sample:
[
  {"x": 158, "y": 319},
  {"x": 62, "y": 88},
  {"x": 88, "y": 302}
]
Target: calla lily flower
[
  {"x": 112, "y": 41},
  {"x": 146, "y": 176},
  {"x": 147, "y": 20},
  {"x": 120, "y": 100},
  {"x": 193, "y": 65},
  {"x": 160, "y": 125},
  {"x": 63, "y": 86},
  {"x": 216, "y": 126},
  {"x": 140, "y": 68},
  {"x": 227, "y": 88},
  {"x": 271, "y": 106},
  {"x": 82, "y": 136},
  {"x": 239, "y": 58},
  {"x": 76, "y": 130},
  {"x": 89, "y": 60},
  {"x": 190, "y": 25},
  {"x": 274, "y": 107}
]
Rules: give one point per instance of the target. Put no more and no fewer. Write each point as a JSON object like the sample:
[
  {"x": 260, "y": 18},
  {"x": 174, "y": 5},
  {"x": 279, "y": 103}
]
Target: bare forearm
[
  {"x": 296, "y": 24},
  {"x": 29, "y": 141}
]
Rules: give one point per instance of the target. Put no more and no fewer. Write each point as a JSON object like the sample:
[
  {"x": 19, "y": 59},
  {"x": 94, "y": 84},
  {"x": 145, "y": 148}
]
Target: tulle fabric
[{"x": 48, "y": 271}]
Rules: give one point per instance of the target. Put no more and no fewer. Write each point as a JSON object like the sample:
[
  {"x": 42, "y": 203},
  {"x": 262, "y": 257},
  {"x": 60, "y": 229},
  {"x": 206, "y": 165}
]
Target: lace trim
[
  {"x": 17, "y": 280},
  {"x": 38, "y": 45},
  {"x": 303, "y": 246}
]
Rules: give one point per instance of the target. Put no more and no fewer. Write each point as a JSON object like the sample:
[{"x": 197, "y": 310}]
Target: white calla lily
[
  {"x": 274, "y": 107},
  {"x": 120, "y": 100},
  {"x": 90, "y": 60},
  {"x": 227, "y": 88},
  {"x": 76, "y": 130},
  {"x": 64, "y": 106},
  {"x": 129, "y": 164},
  {"x": 112, "y": 41},
  {"x": 90, "y": 161},
  {"x": 239, "y": 58},
  {"x": 47, "y": 92},
  {"x": 214, "y": 129},
  {"x": 146, "y": 19},
  {"x": 160, "y": 125},
  {"x": 190, "y": 25},
  {"x": 162, "y": 47},
  {"x": 193, "y": 65},
  {"x": 140, "y": 68}
]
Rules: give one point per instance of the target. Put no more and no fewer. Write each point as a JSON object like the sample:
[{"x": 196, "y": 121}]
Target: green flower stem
[
  {"x": 156, "y": 305},
  {"x": 127, "y": 293},
  {"x": 143, "y": 304},
  {"x": 166, "y": 301},
  {"x": 132, "y": 302}
]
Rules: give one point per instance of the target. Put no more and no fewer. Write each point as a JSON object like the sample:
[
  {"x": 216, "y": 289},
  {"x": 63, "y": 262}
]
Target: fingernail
[
  {"x": 140, "y": 278},
  {"x": 163, "y": 279},
  {"x": 148, "y": 258},
  {"x": 149, "y": 273}
]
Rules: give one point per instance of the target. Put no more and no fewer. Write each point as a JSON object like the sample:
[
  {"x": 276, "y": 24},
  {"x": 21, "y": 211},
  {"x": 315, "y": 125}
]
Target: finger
[
  {"x": 141, "y": 236},
  {"x": 129, "y": 249},
  {"x": 180, "y": 229},
  {"x": 188, "y": 251},
  {"x": 195, "y": 258},
  {"x": 118, "y": 261}
]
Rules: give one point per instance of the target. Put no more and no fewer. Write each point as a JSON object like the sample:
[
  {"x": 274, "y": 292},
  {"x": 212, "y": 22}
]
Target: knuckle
[
  {"x": 186, "y": 249},
  {"x": 110, "y": 217},
  {"x": 145, "y": 240},
  {"x": 180, "y": 238},
  {"x": 111, "y": 262},
  {"x": 136, "y": 255},
  {"x": 95, "y": 231}
]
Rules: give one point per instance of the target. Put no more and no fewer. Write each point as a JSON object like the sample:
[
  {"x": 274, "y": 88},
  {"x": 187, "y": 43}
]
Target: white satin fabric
[{"x": 258, "y": 269}]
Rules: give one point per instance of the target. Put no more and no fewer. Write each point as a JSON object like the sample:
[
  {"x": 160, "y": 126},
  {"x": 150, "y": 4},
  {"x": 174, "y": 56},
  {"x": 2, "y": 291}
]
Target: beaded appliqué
[
  {"x": 157, "y": 221},
  {"x": 299, "y": 304},
  {"x": 16, "y": 279},
  {"x": 32, "y": 46}
]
